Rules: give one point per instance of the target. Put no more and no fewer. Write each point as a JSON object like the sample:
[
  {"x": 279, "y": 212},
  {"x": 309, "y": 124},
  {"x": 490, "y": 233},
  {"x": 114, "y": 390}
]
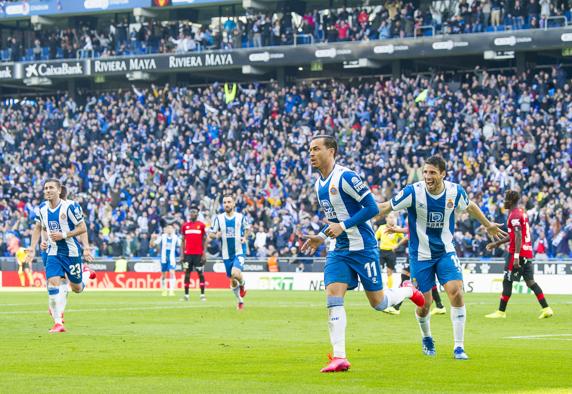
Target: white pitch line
[
  {"x": 548, "y": 337},
  {"x": 204, "y": 307}
]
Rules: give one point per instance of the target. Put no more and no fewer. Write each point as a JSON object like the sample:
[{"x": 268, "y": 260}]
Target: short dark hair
[
  {"x": 512, "y": 197},
  {"x": 55, "y": 180},
  {"x": 437, "y": 161},
  {"x": 63, "y": 192},
  {"x": 329, "y": 141}
]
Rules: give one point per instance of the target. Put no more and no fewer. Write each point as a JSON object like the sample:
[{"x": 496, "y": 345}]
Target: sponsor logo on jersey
[
  {"x": 54, "y": 225},
  {"x": 358, "y": 184},
  {"x": 328, "y": 209},
  {"x": 435, "y": 220}
]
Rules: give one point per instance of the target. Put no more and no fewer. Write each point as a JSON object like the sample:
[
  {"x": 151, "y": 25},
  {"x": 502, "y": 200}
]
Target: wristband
[
  {"x": 322, "y": 235},
  {"x": 343, "y": 225},
  {"x": 64, "y": 234},
  {"x": 516, "y": 256}
]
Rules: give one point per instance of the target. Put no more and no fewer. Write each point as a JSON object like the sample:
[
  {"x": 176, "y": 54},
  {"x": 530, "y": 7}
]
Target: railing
[
  {"x": 304, "y": 38},
  {"x": 421, "y": 29},
  {"x": 85, "y": 54},
  {"x": 555, "y": 18}
]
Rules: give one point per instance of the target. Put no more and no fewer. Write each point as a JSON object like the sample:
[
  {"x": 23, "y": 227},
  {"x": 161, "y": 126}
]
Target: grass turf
[{"x": 142, "y": 342}]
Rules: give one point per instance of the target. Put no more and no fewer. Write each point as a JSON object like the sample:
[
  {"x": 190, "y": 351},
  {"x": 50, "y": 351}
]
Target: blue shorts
[
  {"x": 446, "y": 267},
  {"x": 44, "y": 258},
  {"x": 64, "y": 266},
  {"x": 169, "y": 265},
  {"x": 235, "y": 262},
  {"x": 346, "y": 266}
]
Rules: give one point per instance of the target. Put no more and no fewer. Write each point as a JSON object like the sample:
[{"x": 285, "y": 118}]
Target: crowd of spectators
[
  {"x": 392, "y": 19},
  {"x": 139, "y": 157}
]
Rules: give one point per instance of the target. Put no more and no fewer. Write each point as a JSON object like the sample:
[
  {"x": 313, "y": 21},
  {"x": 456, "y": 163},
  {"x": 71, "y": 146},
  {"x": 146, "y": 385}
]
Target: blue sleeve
[
  {"x": 404, "y": 199},
  {"x": 354, "y": 186},
  {"x": 368, "y": 211},
  {"x": 462, "y": 202}
]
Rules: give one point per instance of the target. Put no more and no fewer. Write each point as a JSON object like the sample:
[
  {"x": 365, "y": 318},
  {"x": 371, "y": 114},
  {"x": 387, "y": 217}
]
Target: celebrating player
[
  {"x": 431, "y": 206},
  {"x": 194, "y": 247},
  {"x": 519, "y": 259},
  {"x": 169, "y": 242},
  {"x": 406, "y": 275},
  {"x": 348, "y": 205},
  {"x": 63, "y": 221},
  {"x": 233, "y": 229}
]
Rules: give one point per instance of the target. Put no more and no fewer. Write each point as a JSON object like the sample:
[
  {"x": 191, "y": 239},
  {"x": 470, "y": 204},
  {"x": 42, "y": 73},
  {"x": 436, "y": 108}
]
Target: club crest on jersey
[
  {"x": 333, "y": 190},
  {"x": 435, "y": 220},
  {"x": 358, "y": 184},
  {"x": 63, "y": 216},
  {"x": 450, "y": 203}
]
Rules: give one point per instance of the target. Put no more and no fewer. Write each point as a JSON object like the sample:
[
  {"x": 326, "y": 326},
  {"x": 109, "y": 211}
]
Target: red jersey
[
  {"x": 193, "y": 233},
  {"x": 518, "y": 218}
]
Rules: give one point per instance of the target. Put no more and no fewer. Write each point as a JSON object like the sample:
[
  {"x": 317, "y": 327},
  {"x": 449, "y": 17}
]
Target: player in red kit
[
  {"x": 194, "y": 247},
  {"x": 519, "y": 260}
]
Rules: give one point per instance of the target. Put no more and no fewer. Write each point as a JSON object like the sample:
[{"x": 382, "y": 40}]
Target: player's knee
[
  {"x": 530, "y": 283},
  {"x": 455, "y": 292},
  {"x": 425, "y": 309}
]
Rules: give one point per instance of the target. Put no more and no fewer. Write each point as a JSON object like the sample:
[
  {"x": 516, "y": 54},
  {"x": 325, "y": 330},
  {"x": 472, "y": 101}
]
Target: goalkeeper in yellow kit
[{"x": 24, "y": 269}]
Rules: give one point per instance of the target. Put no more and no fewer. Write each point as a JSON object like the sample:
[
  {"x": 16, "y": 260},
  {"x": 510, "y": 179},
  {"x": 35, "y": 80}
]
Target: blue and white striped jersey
[
  {"x": 233, "y": 229},
  {"x": 340, "y": 196},
  {"x": 65, "y": 217},
  {"x": 431, "y": 218},
  {"x": 169, "y": 245}
]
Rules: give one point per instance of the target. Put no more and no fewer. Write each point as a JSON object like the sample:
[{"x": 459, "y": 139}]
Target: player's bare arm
[
  {"x": 205, "y": 244},
  {"x": 493, "y": 245},
  {"x": 182, "y": 257},
  {"x": 215, "y": 234},
  {"x": 517, "y": 246},
  {"x": 312, "y": 243},
  {"x": 79, "y": 230},
  {"x": 36, "y": 233},
  {"x": 384, "y": 208},
  {"x": 493, "y": 229},
  {"x": 404, "y": 241},
  {"x": 395, "y": 229},
  {"x": 44, "y": 238},
  {"x": 84, "y": 239}
]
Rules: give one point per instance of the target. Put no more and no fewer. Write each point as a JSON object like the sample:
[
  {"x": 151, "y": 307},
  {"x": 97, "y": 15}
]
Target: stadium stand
[
  {"x": 392, "y": 19},
  {"x": 137, "y": 156}
]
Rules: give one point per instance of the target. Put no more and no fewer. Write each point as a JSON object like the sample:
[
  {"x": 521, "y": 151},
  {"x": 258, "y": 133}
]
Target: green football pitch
[{"x": 142, "y": 342}]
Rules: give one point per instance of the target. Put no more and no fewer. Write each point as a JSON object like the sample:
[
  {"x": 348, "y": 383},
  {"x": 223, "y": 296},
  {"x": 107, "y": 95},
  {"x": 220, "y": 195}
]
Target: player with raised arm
[
  {"x": 519, "y": 261},
  {"x": 168, "y": 242},
  {"x": 63, "y": 222},
  {"x": 232, "y": 228},
  {"x": 194, "y": 250},
  {"x": 348, "y": 206},
  {"x": 431, "y": 205}
]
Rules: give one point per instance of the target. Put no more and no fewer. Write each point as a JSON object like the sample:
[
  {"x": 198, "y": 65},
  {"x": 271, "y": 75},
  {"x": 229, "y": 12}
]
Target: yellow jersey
[
  {"x": 387, "y": 241},
  {"x": 21, "y": 256}
]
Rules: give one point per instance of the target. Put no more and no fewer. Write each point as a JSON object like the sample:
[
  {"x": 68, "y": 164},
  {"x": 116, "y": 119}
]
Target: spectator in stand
[{"x": 132, "y": 157}]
